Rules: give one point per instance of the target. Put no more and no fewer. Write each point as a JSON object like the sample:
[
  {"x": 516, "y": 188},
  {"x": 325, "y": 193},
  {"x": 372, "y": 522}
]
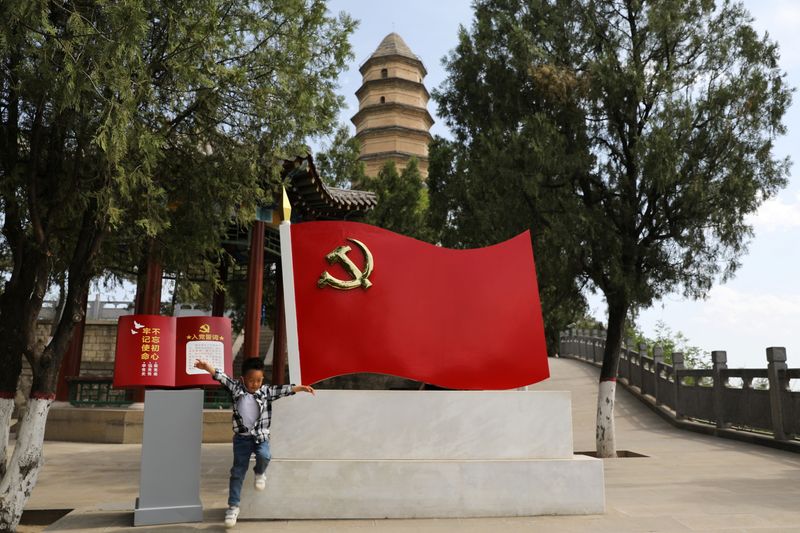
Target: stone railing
[
  {"x": 95, "y": 310},
  {"x": 756, "y": 405},
  {"x": 98, "y": 309}
]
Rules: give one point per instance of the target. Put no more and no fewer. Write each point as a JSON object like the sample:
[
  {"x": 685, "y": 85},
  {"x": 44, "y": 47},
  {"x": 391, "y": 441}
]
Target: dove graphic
[
  {"x": 137, "y": 325},
  {"x": 134, "y": 332}
]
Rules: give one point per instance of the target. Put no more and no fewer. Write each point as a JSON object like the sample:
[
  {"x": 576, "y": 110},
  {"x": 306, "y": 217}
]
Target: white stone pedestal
[{"x": 424, "y": 454}]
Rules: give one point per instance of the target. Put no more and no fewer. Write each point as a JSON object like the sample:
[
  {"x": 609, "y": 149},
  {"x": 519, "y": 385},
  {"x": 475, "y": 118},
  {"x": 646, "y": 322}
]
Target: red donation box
[{"x": 160, "y": 351}]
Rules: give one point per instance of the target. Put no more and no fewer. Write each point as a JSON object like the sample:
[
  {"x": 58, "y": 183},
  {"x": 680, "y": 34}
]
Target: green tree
[
  {"x": 670, "y": 341},
  {"x": 402, "y": 200},
  {"x": 505, "y": 169},
  {"x": 338, "y": 163},
  {"x": 657, "y": 119},
  {"x": 676, "y": 341},
  {"x": 130, "y": 124}
]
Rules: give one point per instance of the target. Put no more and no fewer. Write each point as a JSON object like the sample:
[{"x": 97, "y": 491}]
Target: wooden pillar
[
  {"x": 151, "y": 298},
  {"x": 218, "y": 300},
  {"x": 255, "y": 288},
  {"x": 148, "y": 298},
  {"x": 279, "y": 343},
  {"x": 71, "y": 364}
]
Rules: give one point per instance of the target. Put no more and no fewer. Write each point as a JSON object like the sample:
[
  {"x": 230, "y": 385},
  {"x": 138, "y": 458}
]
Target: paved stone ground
[{"x": 687, "y": 482}]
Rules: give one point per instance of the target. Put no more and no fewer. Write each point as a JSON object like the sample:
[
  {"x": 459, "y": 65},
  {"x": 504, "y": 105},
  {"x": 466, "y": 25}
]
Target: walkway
[{"x": 687, "y": 482}]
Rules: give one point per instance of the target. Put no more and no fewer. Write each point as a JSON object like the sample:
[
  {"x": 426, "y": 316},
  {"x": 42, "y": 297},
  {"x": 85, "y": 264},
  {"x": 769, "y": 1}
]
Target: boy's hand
[
  {"x": 204, "y": 365},
  {"x": 303, "y": 388}
]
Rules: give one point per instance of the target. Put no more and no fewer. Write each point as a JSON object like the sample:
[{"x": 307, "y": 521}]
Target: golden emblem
[
  {"x": 205, "y": 328},
  {"x": 339, "y": 255}
]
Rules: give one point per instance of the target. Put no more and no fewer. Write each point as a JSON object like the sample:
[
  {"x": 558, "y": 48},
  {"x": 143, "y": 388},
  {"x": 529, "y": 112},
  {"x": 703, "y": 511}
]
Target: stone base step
[
  {"x": 412, "y": 425},
  {"x": 121, "y": 425},
  {"x": 352, "y": 489}
]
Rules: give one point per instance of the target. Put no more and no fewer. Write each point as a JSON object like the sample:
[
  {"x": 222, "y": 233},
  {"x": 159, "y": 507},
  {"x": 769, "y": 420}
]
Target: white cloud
[
  {"x": 777, "y": 215},
  {"x": 752, "y": 311},
  {"x": 743, "y": 322}
]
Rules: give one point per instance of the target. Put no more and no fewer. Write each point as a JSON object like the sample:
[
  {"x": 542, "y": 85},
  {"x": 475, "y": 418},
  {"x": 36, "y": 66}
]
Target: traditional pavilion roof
[{"x": 311, "y": 199}]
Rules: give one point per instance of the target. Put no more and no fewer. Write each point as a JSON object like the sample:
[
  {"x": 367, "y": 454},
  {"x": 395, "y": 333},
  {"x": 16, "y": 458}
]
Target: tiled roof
[
  {"x": 311, "y": 199},
  {"x": 392, "y": 45}
]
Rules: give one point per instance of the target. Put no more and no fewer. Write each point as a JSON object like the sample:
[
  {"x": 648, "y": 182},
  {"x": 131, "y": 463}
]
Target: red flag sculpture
[{"x": 369, "y": 300}]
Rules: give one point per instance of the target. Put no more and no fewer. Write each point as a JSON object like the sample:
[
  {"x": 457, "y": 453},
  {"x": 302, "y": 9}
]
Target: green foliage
[
  {"x": 338, "y": 163},
  {"x": 587, "y": 321},
  {"x": 633, "y": 138},
  {"x": 143, "y": 126},
  {"x": 671, "y": 342},
  {"x": 131, "y": 123},
  {"x": 506, "y": 169},
  {"x": 402, "y": 200}
]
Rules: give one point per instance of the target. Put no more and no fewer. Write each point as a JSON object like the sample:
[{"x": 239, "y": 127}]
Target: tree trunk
[
  {"x": 19, "y": 311},
  {"x": 26, "y": 461},
  {"x": 605, "y": 437},
  {"x": 6, "y": 409}
]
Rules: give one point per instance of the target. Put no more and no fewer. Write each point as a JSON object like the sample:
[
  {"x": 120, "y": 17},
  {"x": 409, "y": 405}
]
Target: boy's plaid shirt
[{"x": 264, "y": 397}]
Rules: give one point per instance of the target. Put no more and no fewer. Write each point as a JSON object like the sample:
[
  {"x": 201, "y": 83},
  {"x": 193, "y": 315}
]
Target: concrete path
[{"x": 686, "y": 482}]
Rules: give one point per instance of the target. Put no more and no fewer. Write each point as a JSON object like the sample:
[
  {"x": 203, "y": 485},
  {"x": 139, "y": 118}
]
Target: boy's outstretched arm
[
  {"x": 303, "y": 388},
  {"x": 220, "y": 376},
  {"x": 204, "y": 365}
]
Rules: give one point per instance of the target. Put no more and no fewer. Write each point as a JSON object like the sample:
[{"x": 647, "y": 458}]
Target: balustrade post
[
  {"x": 677, "y": 365},
  {"x": 658, "y": 357},
  {"x": 583, "y": 348},
  {"x": 642, "y": 355},
  {"x": 776, "y": 372},
  {"x": 595, "y": 336},
  {"x": 573, "y": 346},
  {"x": 97, "y": 308},
  {"x": 631, "y": 344},
  {"x": 719, "y": 359},
  {"x": 588, "y": 354}
]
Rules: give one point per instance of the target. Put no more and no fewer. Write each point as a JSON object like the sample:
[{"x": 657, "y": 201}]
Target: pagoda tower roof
[{"x": 393, "y": 46}]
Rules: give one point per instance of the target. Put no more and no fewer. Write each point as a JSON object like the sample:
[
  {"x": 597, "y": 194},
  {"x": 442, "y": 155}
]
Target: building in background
[{"x": 393, "y": 123}]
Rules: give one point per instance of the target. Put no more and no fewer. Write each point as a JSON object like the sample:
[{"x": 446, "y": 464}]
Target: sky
[{"x": 760, "y": 307}]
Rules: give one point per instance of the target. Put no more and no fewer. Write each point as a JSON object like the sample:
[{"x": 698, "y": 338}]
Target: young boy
[{"x": 252, "y": 414}]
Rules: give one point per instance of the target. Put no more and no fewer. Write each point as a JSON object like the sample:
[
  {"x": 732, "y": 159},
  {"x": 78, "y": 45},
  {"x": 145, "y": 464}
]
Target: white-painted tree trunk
[
  {"x": 6, "y": 408},
  {"x": 26, "y": 461},
  {"x": 606, "y": 444}
]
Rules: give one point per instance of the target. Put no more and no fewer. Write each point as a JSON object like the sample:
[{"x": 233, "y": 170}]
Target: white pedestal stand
[{"x": 424, "y": 454}]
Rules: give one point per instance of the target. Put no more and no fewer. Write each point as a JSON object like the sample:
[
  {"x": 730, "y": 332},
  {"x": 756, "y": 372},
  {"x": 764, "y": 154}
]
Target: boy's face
[{"x": 252, "y": 380}]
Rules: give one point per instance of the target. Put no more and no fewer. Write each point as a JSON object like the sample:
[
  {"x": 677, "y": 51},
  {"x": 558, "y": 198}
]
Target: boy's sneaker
[
  {"x": 231, "y": 515},
  {"x": 261, "y": 481}
]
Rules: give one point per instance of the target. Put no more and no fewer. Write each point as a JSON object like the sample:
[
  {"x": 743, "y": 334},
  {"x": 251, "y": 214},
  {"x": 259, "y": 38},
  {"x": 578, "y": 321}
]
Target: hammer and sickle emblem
[
  {"x": 205, "y": 328},
  {"x": 339, "y": 255}
]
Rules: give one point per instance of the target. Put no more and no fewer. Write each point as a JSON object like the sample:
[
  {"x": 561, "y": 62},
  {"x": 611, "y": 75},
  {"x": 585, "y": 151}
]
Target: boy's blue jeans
[{"x": 243, "y": 447}]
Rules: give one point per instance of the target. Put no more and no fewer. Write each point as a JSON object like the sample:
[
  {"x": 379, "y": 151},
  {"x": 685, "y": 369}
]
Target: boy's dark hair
[{"x": 252, "y": 363}]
